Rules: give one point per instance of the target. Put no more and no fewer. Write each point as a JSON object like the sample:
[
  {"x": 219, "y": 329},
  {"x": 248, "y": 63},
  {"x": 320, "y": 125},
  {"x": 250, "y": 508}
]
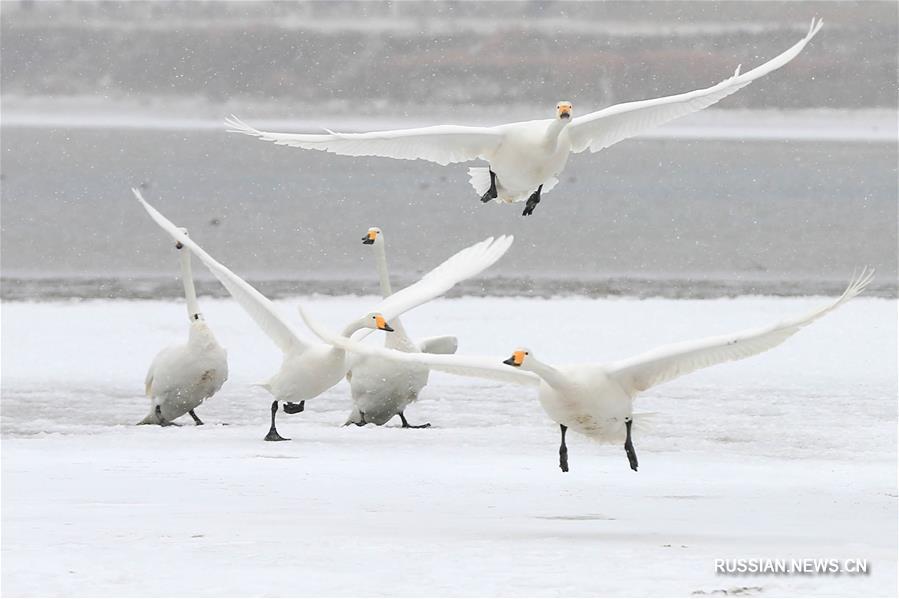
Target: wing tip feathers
[{"x": 235, "y": 125}]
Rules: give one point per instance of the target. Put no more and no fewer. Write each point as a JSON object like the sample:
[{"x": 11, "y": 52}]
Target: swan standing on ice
[
  {"x": 382, "y": 388},
  {"x": 526, "y": 158},
  {"x": 182, "y": 376},
  {"x": 310, "y": 369},
  {"x": 597, "y": 400}
]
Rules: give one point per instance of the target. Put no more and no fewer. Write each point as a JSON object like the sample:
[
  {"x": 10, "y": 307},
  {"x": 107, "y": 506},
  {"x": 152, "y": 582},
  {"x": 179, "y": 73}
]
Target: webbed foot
[
  {"x": 407, "y": 425},
  {"x": 491, "y": 193},
  {"x": 294, "y": 408},
  {"x": 532, "y": 202},
  {"x": 272, "y": 431},
  {"x": 629, "y": 447}
]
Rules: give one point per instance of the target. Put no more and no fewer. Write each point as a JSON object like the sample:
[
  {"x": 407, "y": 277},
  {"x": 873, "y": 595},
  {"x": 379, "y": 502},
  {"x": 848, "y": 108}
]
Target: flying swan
[
  {"x": 310, "y": 369},
  {"x": 524, "y": 159},
  {"x": 382, "y": 388},
  {"x": 182, "y": 376},
  {"x": 597, "y": 400}
]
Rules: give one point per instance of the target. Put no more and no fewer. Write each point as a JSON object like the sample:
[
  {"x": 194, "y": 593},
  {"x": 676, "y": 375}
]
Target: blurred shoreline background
[{"x": 781, "y": 189}]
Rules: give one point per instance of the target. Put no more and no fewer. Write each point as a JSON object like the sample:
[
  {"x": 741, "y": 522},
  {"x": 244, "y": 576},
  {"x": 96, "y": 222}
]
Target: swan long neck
[
  {"x": 398, "y": 339},
  {"x": 190, "y": 293},
  {"x": 383, "y": 275},
  {"x": 348, "y": 330},
  {"x": 553, "y": 377},
  {"x": 553, "y": 131},
  {"x": 354, "y": 326}
]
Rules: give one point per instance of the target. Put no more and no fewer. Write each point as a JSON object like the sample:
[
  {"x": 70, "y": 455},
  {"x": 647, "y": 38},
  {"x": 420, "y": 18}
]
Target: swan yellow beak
[
  {"x": 565, "y": 110},
  {"x": 516, "y": 359},
  {"x": 370, "y": 237},
  {"x": 382, "y": 324}
]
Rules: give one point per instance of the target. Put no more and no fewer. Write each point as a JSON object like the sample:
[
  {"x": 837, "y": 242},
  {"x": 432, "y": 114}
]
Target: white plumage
[
  {"x": 597, "y": 399},
  {"x": 526, "y": 155},
  {"x": 181, "y": 377},
  {"x": 382, "y": 389},
  {"x": 309, "y": 369}
]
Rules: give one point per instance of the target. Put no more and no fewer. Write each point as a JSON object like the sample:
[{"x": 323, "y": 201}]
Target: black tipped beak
[
  {"x": 367, "y": 240},
  {"x": 510, "y": 362},
  {"x": 387, "y": 328},
  {"x": 179, "y": 245},
  {"x": 565, "y": 115}
]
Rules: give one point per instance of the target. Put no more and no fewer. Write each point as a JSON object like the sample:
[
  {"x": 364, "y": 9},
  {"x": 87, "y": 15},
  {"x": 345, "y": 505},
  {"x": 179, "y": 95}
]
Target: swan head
[
  {"x": 375, "y": 320},
  {"x": 371, "y": 236},
  {"x": 178, "y": 244},
  {"x": 518, "y": 357},
  {"x": 563, "y": 110}
]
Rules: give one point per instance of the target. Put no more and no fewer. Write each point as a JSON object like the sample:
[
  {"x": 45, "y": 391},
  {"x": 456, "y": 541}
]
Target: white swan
[
  {"x": 310, "y": 369},
  {"x": 382, "y": 388},
  {"x": 597, "y": 399},
  {"x": 182, "y": 376},
  {"x": 526, "y": 158}
]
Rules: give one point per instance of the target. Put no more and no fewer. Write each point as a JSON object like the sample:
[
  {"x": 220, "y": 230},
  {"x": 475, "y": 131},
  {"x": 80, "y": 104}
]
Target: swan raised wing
[
  {"x": 463, "y": 265},
  {"x": 445, "y": 344},
  {"x": 443, "y": 144},
  {"x": 671, "y": 361},
  {"x": 471, "y": 366},
  {"x": 606, "y": 127},
  {"x": 260, "y": 308}
]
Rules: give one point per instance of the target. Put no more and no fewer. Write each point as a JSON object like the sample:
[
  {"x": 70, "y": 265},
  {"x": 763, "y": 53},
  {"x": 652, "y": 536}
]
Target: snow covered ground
[{"x": 791, "y": 454}]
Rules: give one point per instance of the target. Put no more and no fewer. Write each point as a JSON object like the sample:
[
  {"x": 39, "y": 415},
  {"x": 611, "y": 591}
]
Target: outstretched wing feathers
[
  {"x": 606, "y": 127},
  {"x": 443, "y": 144},
  {"x": 463, "y": 265},
  {"x": 671, "y": 361},
  {"x": 259, "y": 307},
  {"x": 471, "y": 366},
  {"x": 447, "y": 344}
]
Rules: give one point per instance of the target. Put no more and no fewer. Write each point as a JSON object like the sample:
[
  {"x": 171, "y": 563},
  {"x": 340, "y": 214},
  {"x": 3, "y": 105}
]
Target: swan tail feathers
[
  {"x": 479, "y": 177},
  {"x": 550, "y": 183},
  {"x": 355, "y": 418},
  {"x": 150, "y": 418}
]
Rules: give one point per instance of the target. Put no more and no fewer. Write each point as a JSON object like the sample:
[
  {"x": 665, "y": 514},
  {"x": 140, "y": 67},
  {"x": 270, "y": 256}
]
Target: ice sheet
[{"x": 790, "y": 454}]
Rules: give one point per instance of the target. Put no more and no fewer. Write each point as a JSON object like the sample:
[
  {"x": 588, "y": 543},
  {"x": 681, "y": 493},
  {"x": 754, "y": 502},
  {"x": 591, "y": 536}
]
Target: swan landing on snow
[
  {"x": 597, "y": 400},
  {"x": 526, "y": 158}
]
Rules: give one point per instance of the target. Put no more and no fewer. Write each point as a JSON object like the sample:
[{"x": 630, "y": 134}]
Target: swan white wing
[
  {"x": 443, "y": 144},
  {"x": 148, "y": 381},
  {"x": 463, "y": 265},
  {"x": 471, "y": 366},
  {"x": 601, "y": 129},
  {"x": 447, "y": 344},
  {"x": 259, "y": 307},
  {"x": 669, "y": 362}
]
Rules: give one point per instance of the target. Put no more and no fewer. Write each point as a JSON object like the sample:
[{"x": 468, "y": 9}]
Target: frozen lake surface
[{"x": 791, "y": 454}]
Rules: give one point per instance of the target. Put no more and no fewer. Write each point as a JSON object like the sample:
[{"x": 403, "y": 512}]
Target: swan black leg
[
  {"x": 273, "y": 432},
  {"x": 629, "y": 446},
  {"x": 407, "y": 425},
  {"x": 563, "y": 450},
  {"x": 196, "y": 418},
  {"x": 532, "y": 202},
  {"x": 490, "y": 193},
  {"x": 294, "y": 408},
  {"x": 163, "y": 421}
]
